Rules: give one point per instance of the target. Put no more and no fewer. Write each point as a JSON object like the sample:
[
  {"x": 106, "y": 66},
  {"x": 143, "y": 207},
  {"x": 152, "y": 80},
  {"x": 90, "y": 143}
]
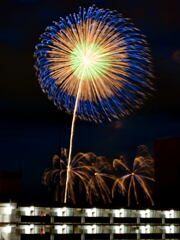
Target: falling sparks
[
  {"x": 98, "y": 187},
  {"x": 95, "y": 177},
  {"x": 140, "y": 175},
  {"x": 75, "y": 171}
]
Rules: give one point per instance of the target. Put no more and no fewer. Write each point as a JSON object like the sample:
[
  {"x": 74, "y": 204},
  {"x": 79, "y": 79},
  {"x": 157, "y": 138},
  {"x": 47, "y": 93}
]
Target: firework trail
[
  {"x": 71, "y": 142},
  {"x": 94, "y": 64},
  {"x": 78, "y": 171},
  {"x": 140, "y": 174}
]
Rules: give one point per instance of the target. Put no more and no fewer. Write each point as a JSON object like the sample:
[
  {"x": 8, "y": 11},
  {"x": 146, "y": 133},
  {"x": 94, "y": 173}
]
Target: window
[
  {"x": 67, "y": 219},
  {"x": 97, "y": 219},
  {"x": 125, "y": 220},
  {"x": 33, "y": 219},
  {"x": 150, "y": 220}
]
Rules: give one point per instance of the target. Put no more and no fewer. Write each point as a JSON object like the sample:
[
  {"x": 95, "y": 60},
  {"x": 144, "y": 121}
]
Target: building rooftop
[{"x": 31, "y": 222}]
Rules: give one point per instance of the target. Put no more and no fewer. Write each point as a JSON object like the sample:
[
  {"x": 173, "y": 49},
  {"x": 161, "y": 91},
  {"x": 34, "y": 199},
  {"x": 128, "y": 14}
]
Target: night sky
[{"x": 32, "y": 129}]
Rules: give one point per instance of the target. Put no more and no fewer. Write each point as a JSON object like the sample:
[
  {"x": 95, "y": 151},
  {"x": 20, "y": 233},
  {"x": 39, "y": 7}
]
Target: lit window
[
  {"x": 92, "y": 212},
  {"x": 145, "y": 213},
  {"x": 62, "y": 211},
  {"x": 91, "y": 228},
  {"x": 119, "y": 229},
  {"x": 7, "y": 229},
  {"x": 169, "y": 214},
  {"x": 28, "y": 228},
  {"x": 145, "y": 229},
  {"x": 61, "y": 229},
  {"x": 170, "y": 229},
  {"x": 29, "y": 211},
  {"x": 8, "y": 209},
  {"x": 119, "y": 212}
]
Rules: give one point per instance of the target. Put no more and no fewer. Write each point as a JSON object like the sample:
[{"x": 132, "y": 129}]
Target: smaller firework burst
[
  {"x": 140, "y": 175},
  {"x": 88, "y": 174},
  {"x": 99, "y": 184},
  {"x": 78, "y": 174},
  {"x": 51, "y": 176}
]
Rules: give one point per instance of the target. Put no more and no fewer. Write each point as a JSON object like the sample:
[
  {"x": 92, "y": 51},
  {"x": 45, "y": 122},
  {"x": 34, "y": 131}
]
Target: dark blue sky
[{"x": 32, "y": 130}]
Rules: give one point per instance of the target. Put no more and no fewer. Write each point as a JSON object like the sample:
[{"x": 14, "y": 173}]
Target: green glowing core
[{"x": 89, "y": 61}]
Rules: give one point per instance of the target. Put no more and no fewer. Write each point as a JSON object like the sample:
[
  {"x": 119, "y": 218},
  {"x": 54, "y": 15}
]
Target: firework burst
[
  {"x": 94, "y": 176},
  {"x": 98, "y": 56},
  {"x": 76, "y": 173},
  {"x": 140, "y": 175},
  {"x": 99, "y": 184},
  {"x": 79, "y": 173},
  {"x": 91, "y": 172},
  {"x": 87, "y": 171}
]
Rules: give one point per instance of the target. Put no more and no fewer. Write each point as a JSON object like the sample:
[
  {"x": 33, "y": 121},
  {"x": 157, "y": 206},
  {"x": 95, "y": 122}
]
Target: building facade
[
  {"x": 167, "y": 172},
  {"x": 31, "y": 222},
  {"x": 10, "y": 185}
]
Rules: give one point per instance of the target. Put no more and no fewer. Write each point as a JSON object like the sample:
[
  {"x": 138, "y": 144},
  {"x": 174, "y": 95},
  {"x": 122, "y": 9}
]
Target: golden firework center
[{"x": 53, "y": 223}]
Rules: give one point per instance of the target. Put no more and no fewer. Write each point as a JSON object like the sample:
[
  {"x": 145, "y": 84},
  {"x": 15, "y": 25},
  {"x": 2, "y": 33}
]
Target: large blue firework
[{"x": 97, "y": 61}]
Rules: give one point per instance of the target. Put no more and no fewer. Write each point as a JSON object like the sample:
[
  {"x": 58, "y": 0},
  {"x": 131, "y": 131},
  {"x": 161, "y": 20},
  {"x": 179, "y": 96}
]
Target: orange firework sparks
[
  {"x": 140, "y": 174},
  {"x": 89, "y": 52},
  {"x": 76, "y": 171},
  {"x": 98, "y": 185},
  {"x": 91, "y": 172},
  {"x": 95, "y": 176},
  {"x": 98, "y": 188}
]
